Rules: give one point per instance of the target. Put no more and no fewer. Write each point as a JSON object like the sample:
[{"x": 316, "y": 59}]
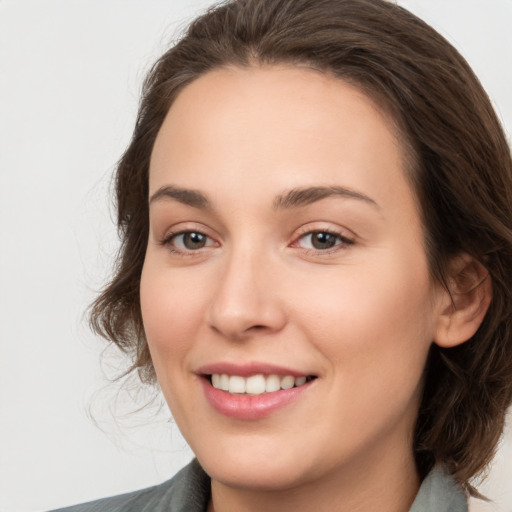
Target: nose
[{"x": 246, "y": 301}]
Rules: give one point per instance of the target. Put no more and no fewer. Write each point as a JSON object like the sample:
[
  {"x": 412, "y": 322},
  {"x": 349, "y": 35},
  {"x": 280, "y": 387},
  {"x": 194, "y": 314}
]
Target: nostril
[{"x": 260, "y": 329}]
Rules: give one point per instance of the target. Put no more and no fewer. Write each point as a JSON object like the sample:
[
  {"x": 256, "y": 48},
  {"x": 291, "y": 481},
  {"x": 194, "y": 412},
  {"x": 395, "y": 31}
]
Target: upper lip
[{"x": 248, "y": 369}]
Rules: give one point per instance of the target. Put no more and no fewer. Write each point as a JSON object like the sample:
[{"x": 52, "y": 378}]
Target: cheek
[
  {"x": 373, "y": 322},
  {"x": 172, "y": 307}
]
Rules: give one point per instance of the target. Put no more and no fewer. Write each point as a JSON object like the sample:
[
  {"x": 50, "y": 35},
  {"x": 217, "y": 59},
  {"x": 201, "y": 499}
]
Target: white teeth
[
  {"x": 299, "y": 381},
  {"x": 287, "y": 382},
  {"x": 255, "y": 384},
  {"x": 272, "y": 383},
  {"x": 224, "y": 382},
  {"x": 236, "y": 384}
]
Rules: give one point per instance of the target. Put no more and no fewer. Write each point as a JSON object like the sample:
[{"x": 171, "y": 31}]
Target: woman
[{"x": 315, "y": 212}]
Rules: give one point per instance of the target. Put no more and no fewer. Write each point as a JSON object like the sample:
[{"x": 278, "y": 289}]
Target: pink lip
[
  {"x": 246, "y": 370},
  {"x": 247, "y": 407}
]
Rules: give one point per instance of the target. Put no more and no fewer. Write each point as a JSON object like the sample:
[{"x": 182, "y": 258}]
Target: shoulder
[
  {"x": 187, "y": 491},
  {"x": 439, "y": 492}
]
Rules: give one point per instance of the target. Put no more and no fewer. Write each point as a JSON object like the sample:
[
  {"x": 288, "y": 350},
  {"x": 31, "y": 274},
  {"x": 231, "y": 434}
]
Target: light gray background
[{"x": 70, "y": 72}]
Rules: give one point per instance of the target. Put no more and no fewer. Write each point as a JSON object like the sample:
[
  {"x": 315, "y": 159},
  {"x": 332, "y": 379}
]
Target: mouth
[
  {"x": 254, "y": 390},
  {"x": 257, "y": 384}
]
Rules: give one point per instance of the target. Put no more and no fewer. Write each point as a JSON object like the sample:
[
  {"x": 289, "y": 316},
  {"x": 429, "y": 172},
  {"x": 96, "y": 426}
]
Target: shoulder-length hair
[{"x": 459, "y": 165}]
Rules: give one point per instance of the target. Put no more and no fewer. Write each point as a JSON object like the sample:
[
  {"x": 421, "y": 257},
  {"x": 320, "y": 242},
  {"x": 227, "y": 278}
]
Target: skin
[{"x": 360, "y": 316}]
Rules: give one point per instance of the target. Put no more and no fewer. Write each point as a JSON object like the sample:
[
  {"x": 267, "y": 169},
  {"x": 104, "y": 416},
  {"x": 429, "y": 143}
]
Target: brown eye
[
  {"x": 189, "y": 241},
  {"x": 194, "y": 240},
  {"x": 323, "y": 240}
]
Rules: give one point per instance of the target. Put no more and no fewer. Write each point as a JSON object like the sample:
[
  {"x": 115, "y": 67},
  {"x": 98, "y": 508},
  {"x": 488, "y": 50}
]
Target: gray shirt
[{"x": 189, "y": 491}]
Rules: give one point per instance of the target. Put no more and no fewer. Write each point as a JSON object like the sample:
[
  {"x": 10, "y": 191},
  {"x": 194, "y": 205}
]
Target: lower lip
[{"x": 251, "y": 407}]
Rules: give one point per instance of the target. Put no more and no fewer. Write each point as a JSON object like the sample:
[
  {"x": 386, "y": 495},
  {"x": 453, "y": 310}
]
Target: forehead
[
  {"x": 274, "y": 128},
  {"x": 267, "y": 93}
]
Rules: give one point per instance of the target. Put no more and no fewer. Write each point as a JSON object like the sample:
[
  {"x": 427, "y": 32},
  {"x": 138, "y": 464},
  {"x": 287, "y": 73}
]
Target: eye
[
  {"x": 188, "y": 241},
  {"x": 322, "y": 240}
]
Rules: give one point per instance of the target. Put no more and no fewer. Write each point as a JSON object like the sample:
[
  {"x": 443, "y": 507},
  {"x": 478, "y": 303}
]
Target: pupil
[
  {"x": 194, "y": 240},
  {"x": 323, "y": 240}
]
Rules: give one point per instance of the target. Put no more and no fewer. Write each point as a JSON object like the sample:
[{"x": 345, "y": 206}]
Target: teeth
[
  {"x": 272, "y": 383},
  {"x": 299, "y": 381},
  {"x": 224, "y": 382},
  {"x": 255, "y": 384},
  {"x": 287, "y": 382},
  {"x": 236, "y": 384}
]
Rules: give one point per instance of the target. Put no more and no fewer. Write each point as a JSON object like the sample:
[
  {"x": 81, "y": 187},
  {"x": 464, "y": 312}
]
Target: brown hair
[{"x": 461, "y": 170}]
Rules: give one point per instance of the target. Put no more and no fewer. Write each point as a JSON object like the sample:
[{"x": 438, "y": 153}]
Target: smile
[
  {"x": 252, "y": 392},
  {"x": 256, "y": 384}
]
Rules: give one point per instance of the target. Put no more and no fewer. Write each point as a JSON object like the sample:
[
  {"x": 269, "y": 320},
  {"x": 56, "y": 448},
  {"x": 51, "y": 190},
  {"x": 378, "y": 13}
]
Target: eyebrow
[
  {"x": 294, "y": 198},
  {"x": 303, "y": 196},
  {"x": 186, "y": 196}
]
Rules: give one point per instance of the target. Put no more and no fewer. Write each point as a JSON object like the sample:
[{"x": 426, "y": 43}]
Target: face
[{"x": 285, "y": 293}]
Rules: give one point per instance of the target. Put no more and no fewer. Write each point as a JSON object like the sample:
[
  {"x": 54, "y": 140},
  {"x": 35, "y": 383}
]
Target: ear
[{"x": 465, "y": 303}]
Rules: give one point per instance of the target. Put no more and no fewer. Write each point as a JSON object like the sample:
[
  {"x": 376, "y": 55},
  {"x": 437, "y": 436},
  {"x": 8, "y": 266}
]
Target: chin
[
  {"x": 256, "y": 460},
  {"x": 277, "y": 474}
]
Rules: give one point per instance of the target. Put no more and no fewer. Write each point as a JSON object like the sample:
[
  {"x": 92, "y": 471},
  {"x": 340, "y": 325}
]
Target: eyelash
[
  {"x": 342, "y": 242},
  {"x": 168, "y": 242}
]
